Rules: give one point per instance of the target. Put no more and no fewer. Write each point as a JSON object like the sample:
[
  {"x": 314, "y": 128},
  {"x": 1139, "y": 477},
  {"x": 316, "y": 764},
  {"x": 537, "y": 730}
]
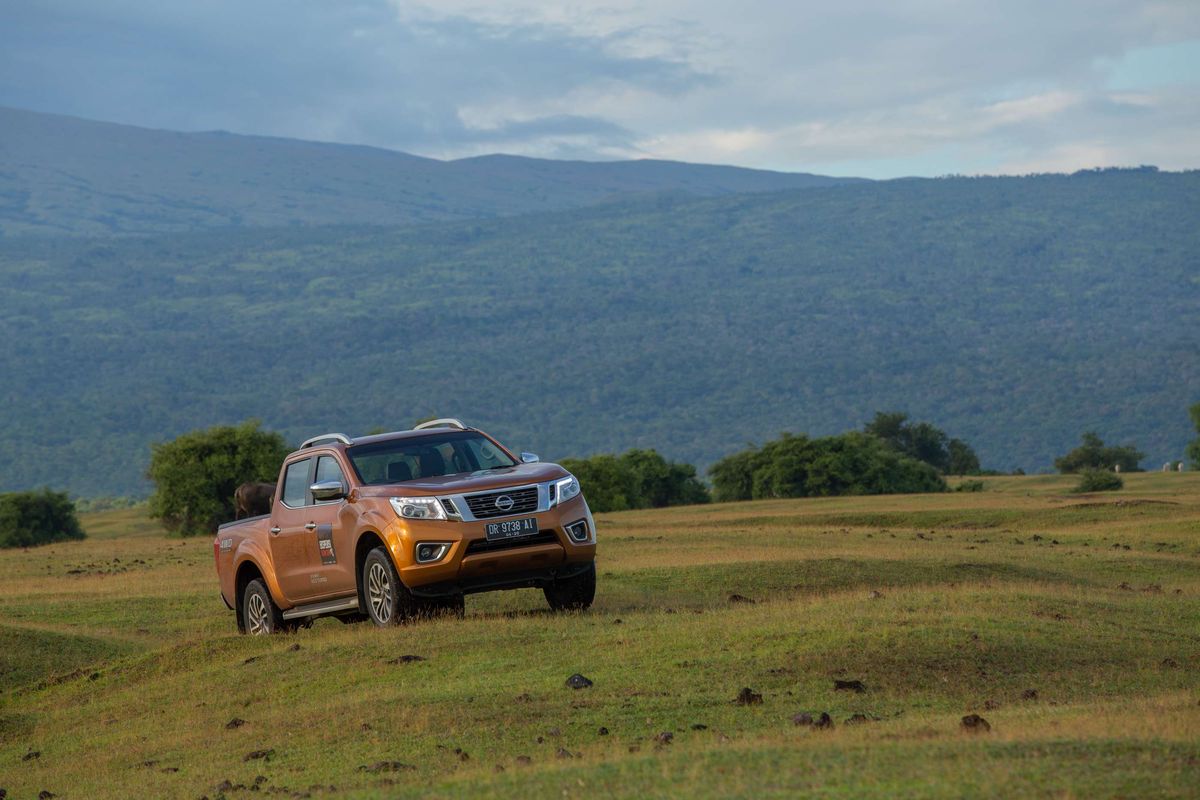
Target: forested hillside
[
  {"x": 1014, "y": 313},
  {"x": 62, "y": 175}
]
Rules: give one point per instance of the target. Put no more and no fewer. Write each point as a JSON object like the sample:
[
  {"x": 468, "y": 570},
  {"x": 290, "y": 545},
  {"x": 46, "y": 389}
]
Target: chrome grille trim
[{"x": 483, "y": 505}]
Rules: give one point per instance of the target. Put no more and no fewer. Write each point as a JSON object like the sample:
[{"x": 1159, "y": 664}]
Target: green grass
[{"x": 941, "y": 605}]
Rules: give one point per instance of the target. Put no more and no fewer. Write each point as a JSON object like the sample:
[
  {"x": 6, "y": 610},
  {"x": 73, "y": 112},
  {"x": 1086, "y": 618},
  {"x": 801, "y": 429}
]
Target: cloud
[{"x": 870, "y": 87}]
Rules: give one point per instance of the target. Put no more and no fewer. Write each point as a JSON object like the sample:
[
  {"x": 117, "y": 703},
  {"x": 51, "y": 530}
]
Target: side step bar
[{"x": 324, "y": 607}]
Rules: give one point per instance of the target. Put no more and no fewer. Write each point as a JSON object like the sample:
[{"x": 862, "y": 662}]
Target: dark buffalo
[{"x": 252, "y": 499}]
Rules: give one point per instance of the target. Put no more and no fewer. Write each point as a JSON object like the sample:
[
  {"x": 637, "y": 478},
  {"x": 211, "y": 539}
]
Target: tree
[
  {"x": 924, "y": 442},
  {"x": 636, "y": 479},
  {"x": 1193, "y": 448},
  {"x": 39, "y": 517},
  {"x": 196, "y": 474},
  {"x": 1092, "y": 454},
  {"x": 796, "y": 466},
  {"x": 963, "y": 460}
]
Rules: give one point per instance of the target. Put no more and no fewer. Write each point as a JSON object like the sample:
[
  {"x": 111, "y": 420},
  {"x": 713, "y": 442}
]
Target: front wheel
[
  {"x": 573, "y": 594},
  {"x": 260, "y": 615},
  {"x": 388, "y": 600}
]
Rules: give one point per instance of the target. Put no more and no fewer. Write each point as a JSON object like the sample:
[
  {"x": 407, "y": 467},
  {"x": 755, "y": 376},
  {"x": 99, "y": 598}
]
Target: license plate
[{"x": 511, "y": 528}]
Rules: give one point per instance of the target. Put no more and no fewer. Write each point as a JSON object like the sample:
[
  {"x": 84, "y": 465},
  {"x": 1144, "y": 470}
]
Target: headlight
[
  {"x": 565, "y": 489},
  {"x": 418, "y": 507}
]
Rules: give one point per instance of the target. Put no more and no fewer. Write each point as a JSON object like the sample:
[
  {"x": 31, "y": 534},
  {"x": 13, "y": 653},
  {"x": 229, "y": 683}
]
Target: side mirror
[
  {"x": 529, "y": 458},
  {"x": 327, "y": 490}
]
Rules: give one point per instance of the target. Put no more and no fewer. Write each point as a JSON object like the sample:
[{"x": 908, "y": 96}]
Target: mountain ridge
[{"x": 62, "y": 175}]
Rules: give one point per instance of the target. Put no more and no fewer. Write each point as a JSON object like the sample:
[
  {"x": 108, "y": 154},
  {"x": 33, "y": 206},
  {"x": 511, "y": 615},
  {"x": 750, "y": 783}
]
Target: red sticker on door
[{"x": 325, "y": 544}]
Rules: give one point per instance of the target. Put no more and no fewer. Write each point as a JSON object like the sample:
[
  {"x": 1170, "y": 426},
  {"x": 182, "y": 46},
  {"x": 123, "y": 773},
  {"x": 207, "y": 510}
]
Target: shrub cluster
[
  {"x": 38, "y": 517},
  {"x": 797, "y": 466},
  {"x": 1098, "y": 480},
  {"x": 636, "y": 479}
]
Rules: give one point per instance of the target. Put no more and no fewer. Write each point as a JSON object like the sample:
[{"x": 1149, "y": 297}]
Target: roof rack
[
  {"x": 444, "y": 422},
  {"x": 324, "y": 438}
]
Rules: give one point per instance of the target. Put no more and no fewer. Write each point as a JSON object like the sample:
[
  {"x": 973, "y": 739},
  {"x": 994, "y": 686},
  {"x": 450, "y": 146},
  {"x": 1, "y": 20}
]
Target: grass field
[{"x": 1070, "y": 623}]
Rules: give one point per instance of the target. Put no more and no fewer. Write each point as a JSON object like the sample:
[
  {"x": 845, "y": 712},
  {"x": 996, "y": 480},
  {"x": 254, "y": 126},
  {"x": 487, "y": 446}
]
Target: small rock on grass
[
  {"x": 699, "y": 726},
  {"x": 740, "y": 598},
  {"x": 46, "y": 794},
  {"x": 973, "y": 723},
  {"x": 577, "y": 681},
  {"x": 666, "y": 737},
  {"x": 848, "y": 686},
  {"x": 565, "y": 753},
  {"x": 603, "y": 731},
  {"x": 524, "y": 761},
  {"x": 822, "y": 720},
  {"x": 856, "y": 719},
  {"x": 31, "y": 755},
  {"x": 748, "y": 697},
  {"x": 405, "y": 659},
  {"x": 386, "y": 766},
  {"x": 234, "y": 723},
  {"x": 1029, "y": 694},
  {"x": 257, "y": 755}
]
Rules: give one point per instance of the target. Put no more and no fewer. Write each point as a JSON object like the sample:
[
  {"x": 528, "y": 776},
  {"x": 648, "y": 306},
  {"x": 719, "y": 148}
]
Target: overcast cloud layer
[{"x": 868, "y": 87}]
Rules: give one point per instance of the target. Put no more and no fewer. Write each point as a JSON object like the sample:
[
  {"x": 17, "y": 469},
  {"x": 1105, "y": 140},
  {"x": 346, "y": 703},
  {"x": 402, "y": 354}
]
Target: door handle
[
  {"x": 275, "y": 530},
  {"x": 311, "y": 526}
]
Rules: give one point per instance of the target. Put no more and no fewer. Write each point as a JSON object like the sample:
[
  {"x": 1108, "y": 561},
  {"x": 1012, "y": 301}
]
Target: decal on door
[{"x": 325, "y": 544}]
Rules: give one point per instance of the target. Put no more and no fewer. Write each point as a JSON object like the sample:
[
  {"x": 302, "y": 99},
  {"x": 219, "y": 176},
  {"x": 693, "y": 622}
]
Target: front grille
[
  {"x": 484, "y": 546},
  {"x": 483, "y": 506}
]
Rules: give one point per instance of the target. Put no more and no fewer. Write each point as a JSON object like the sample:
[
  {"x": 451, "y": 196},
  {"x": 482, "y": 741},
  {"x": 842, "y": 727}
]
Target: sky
[{"x": 875, "y": 88}]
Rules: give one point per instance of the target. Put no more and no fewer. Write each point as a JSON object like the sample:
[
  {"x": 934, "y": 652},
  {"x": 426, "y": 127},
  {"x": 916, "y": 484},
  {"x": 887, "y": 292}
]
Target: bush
[
  {"x": 796, "y": 466},
  {"x": 1092, "y": 454},
  {"x": 195, "y": 475},
  {"x": 969, "y": 486},
  {"x": 1098, "y": 480},
  {"x": 40, "y": 517},
  {"x": 636, "y": 479}
]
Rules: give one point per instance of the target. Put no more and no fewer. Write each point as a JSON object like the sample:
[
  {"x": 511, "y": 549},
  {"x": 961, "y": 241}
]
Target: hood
[{"x": 469, "y": 482}]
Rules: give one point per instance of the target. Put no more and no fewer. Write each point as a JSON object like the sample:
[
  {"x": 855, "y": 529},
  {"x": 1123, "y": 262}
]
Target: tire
[
  {"x": 387, "y": 598},
  {"x": 573, "y": 594},
  {"x": 260, "y": 615}
]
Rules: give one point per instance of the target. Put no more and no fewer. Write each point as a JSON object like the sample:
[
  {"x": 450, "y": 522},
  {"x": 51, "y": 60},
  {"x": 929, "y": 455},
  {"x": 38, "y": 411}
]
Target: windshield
[{"x": 431, "y": 456}]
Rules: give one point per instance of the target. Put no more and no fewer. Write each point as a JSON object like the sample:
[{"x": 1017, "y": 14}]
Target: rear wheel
[
  {"x": 259, "y": 612},
  {"x": 573, "y": 594},
  {"x": 388, "y": 600}
]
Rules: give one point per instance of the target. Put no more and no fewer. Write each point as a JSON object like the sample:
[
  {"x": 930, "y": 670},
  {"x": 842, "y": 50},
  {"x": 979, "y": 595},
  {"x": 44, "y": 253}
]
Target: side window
[
  {"x": 328, "y": 470},
  {"x": 295, "y": 483}
]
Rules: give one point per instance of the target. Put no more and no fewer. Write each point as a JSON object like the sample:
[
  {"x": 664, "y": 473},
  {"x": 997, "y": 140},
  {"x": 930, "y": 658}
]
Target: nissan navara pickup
[{"x": 392, "y": 526}]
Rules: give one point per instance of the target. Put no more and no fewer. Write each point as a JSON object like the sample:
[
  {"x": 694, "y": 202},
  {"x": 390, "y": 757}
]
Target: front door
[{"x": 333, "y": 571}]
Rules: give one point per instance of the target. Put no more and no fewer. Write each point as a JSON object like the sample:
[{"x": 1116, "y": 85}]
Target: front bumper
[{"x": 473, "y": 564}]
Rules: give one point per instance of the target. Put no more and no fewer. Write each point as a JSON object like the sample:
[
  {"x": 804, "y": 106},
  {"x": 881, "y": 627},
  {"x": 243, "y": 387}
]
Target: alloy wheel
[
  {"x": 257, "y": 615},
  {"x": 379, "y": 592}
]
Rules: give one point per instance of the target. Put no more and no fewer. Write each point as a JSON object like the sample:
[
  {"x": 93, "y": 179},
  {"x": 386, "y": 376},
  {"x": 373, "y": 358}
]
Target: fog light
[
  {"x": 428, "y": 552},
  {"x": 578, "y": 531}
]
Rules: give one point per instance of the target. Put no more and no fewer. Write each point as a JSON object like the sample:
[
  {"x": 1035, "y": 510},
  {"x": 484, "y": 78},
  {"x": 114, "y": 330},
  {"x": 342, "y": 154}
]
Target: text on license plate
[{"x": 512, "y": 527}]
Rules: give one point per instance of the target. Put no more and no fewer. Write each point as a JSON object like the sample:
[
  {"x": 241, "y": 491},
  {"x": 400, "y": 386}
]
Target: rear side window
[{"x": 295, "y": 484}]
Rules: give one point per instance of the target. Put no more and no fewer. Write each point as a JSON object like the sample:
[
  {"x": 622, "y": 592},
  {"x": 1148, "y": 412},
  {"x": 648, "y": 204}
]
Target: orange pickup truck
[{"x": 390, "y": 526}]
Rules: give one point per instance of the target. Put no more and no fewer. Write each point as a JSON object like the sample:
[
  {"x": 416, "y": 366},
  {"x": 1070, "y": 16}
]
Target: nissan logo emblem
[{"x": 504, "y": 502}]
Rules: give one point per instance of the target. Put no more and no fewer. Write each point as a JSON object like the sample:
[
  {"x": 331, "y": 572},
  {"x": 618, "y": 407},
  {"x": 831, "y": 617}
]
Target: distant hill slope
[
  {"x": 1015, "y": 313},
  {"x": 63, "y": 175}
]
